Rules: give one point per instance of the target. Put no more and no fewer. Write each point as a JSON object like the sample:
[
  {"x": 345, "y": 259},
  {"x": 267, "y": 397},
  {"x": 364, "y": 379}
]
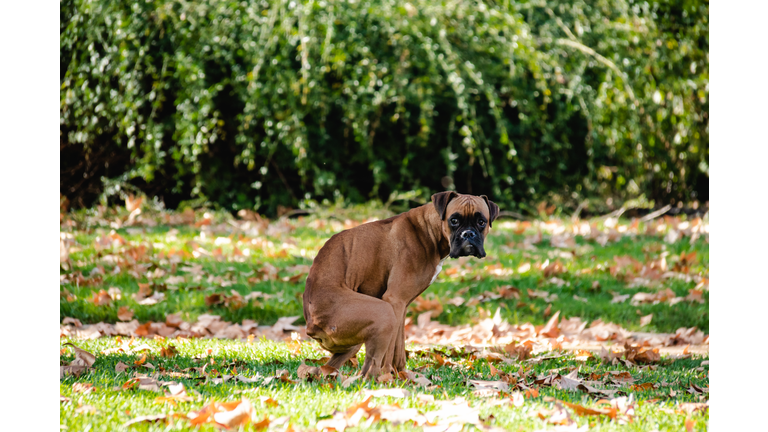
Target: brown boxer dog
[{"x": 364, "y": 278}]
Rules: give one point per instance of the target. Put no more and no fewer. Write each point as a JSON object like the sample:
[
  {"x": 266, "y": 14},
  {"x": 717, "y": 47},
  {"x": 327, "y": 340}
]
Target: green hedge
[{"x": 256, "y": 104}]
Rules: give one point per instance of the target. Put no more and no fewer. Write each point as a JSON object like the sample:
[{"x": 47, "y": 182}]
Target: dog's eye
[
  {"x": 481, "y": 223},
  {"x": 454, "y": 221}
]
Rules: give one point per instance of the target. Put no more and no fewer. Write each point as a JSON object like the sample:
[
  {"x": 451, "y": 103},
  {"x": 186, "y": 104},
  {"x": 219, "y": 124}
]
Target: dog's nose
[{"x": 468, "y": 234}]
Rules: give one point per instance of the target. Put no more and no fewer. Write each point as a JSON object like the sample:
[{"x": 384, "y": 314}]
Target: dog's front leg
[
  {"x": 396, "y": 354},
  {"x": 399, "y": 358}
]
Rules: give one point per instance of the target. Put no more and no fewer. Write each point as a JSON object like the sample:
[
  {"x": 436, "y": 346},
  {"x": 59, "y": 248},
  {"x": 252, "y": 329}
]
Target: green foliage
[{"x": 256, "y": 104}]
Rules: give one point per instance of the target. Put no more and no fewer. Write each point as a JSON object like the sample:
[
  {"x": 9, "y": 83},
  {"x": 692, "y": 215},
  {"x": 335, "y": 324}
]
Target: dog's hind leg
[
  {"x": 348, "y": 319},
  {"x": 338, "y": 359}
]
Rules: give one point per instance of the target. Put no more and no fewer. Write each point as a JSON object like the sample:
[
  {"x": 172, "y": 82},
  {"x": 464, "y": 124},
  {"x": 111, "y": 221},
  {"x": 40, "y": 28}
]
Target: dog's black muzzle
[{"x": 467, "y": 243}]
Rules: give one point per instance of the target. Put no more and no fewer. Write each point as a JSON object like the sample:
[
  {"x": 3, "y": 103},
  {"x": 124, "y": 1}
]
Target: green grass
[{"x": 305, "y": 402}]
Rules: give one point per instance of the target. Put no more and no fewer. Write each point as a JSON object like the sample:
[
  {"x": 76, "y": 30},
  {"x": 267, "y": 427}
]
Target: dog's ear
[
  {"x": 493, "y": 208},
  {"x": 441, "y": 200}
]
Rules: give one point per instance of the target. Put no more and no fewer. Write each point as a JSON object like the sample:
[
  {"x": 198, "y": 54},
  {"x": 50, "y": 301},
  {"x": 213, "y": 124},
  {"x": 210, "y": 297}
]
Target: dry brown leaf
[
  {"x": 553, "y": 269},
  {"x": 442, "y": 361},
  {"x": 508, "y": 292},
  {"x": 641, "y": 354},
  {"x": 173, "y": 320},
  {"x": 214, "y": 299},
  {"x": 82, "y": 357},
  {"x": 550, "y": 329},
  {"x": 124, "y": 314},
  {"x": 522, "y": 351},
  {"x": 695, "y": 295},
  {"x": 101, "y": 298},
  {"x": 624, "y": 406},
  {"x": 307, "y": 372},
  {"x": 141, "y": 361},
  {"x": 531, "y": 393},
  {"x": 387, "y": 377},
  {"x": 557, "y": 416},
  {"x": 239, "y": 416},
  {"x": 620, "y": 377},
  {"x": 83, "y": 387},
  {"x": 348, "y": 382},
  {"x": 582, "y": 410},
  {"x": 168, "y": 351},
  {"x": 568, "y": 383},
  {"x": 517, "y": 399},
  {"x": 75, "y": 370},
  {"x": 619, "y": 298},
  {"x": 692, "y": 407},
  {"x": 121, "y": 367},
  {"x": 145, "y": 290},
  {"x": 608, "y": 356},
  {"x": 414, "y": 377},
  {"x": 268, "y": 401},
  {"x": 87, "y": 409},
  {"x": 392, "y": 392},
  {"x": 422, "y": 305},
  {"x": 148, "y": 419},
  {"x": 642, "y": 387},
  {"x": 74, "y": 321},
  {"x": 644, "y": 321},
  {"x": 689, "y": 424}
]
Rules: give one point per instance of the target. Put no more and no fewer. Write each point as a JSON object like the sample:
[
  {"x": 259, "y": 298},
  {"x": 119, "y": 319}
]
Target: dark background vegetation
[{"x": 261, "y": 104}]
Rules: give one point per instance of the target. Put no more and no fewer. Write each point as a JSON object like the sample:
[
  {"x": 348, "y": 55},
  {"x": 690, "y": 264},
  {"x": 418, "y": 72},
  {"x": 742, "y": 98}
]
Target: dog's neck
[{"x": 433, "y": 225}]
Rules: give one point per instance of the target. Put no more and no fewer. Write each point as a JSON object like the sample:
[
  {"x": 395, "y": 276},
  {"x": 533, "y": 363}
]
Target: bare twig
[
  {"x": 657, "y": 213},
  {"x": 581, "y": 207}
]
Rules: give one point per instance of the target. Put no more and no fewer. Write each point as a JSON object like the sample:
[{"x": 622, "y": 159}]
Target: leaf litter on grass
[{"x": 514, "y": 343}]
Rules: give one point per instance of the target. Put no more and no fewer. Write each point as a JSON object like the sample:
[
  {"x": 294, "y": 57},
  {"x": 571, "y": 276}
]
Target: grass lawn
[{"x": 621, "y": 271}]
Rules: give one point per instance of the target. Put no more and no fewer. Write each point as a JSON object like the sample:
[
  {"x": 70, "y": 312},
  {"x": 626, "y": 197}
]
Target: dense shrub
[{"x": 266, "y": 103}]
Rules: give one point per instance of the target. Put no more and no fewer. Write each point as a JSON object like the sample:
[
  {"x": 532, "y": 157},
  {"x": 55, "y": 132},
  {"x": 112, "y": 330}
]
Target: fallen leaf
[
  {"x": 642, "y": 387},
  {"x": 101, "y": 298},
  {"x": 147, "y": 419},
  {"x": 168, "y": 351},
  {"x": 641, "y": 354},
  {"x": 608, "y": 356},
  {"x": 414, "y": 377},
  {"x": 567, "y": 383},
  {"x": 393, "y": 392},
  {"x": 585, "y": 411},
  {"x": 348, "y": 382},
  {"x": 82, "y": 387},
  {"x": 124, "y": 314},
  {"x": 82, "y": 357},
  {"x": 550, "y": 329},
  {"x": 689, "y": 423},
  {"x": 692, "y": 407},
  {"x": 644, "y": 321},
  {"x": 307, "y": 372},
  {"x": 239, "y": 416},
  {"x": 173, "y": 320},
  {"x": 619, "y": 298},
  {"x": 521, "y": 351},
  {"x": 268, "y": 401},
  {"x": 74, "y": 321},
  {"x": 87, "y": 409},
  {"x": 385, "y": 378}
]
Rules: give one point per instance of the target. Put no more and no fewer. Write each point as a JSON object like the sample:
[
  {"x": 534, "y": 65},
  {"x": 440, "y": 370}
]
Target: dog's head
[{"x": 466, "y": 220}]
